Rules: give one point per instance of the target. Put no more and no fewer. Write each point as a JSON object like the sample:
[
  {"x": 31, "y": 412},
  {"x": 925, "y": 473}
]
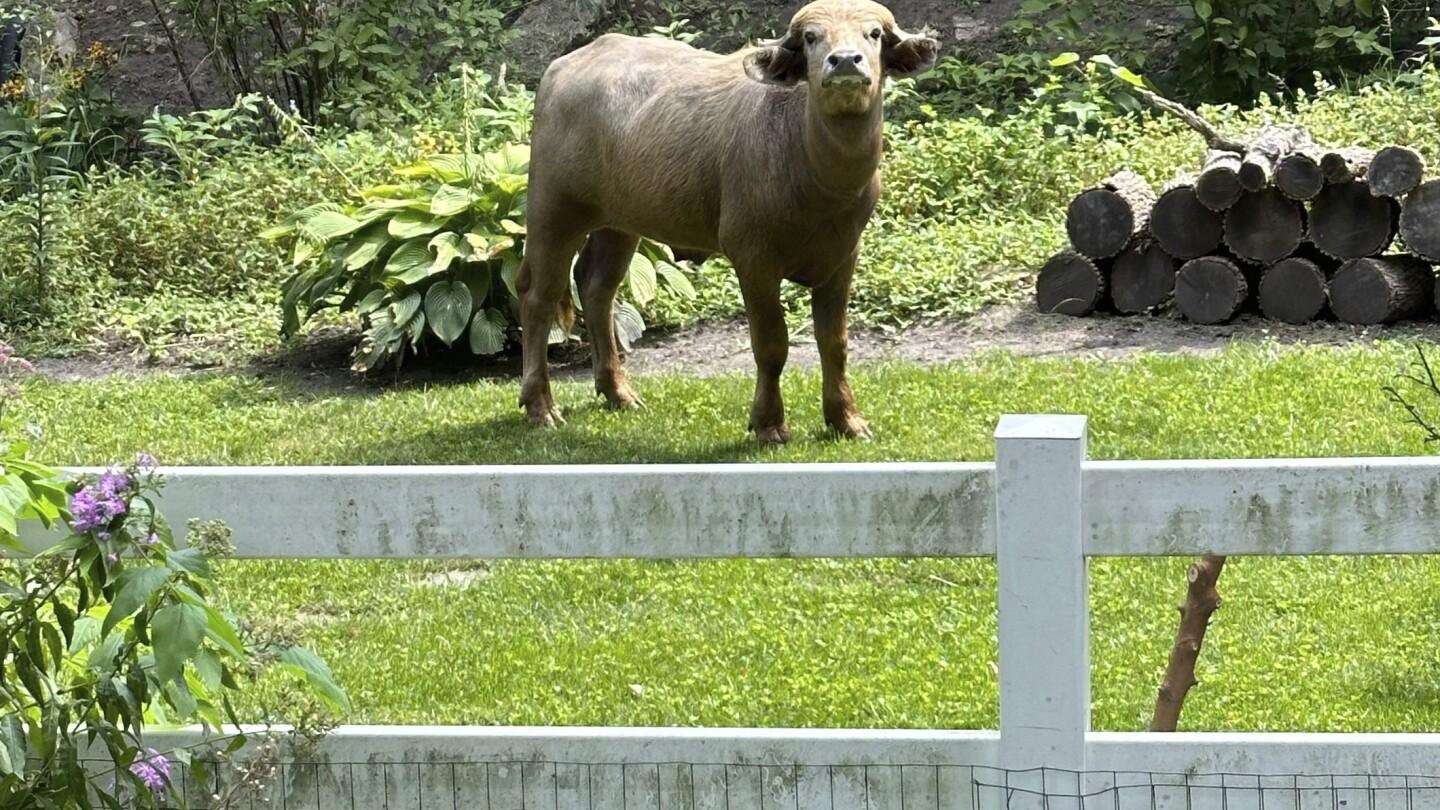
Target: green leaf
[
  {"x": 1203, "y": 9},
  {"x": 12, "y": 746},
  {"x": 308, "y": 665},
  {"x": 642, "y": 279},
  {"x": 448, "y": 246},
  {"x": 190, "y": 560},
  {"x": 629, "y": 325},
  {"x": 137, "y": 585},
  {"x": 447, "y": 306},
  {"x": 177, "y": 632},
  {"x": 328, "y": 225},
  {"x": 509, "y": 271},
  {"x": 1067, "y": 58},
  {"x": 1128, "y": 76},
  {"x": 409, "y": 263},
  {"x": 210, "y": 669},
  {"x": 678, "y": 281},
  {"x": 450, "y": 200},
  {"x": 409, "y": 224},
  {"x": 406, "y": 308},
  {"x": 487, "y": 332},
  {"x": 366, "y": 247}
]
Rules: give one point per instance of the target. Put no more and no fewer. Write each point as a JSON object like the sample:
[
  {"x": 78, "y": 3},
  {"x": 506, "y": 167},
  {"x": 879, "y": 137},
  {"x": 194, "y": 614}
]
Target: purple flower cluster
[
  {"x": 94, "y": 506},
  {"x": 154, "y": 772}
]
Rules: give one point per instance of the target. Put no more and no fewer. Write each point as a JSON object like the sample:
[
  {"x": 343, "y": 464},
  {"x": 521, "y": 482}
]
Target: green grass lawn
[{"x": 1302, "y": 644}]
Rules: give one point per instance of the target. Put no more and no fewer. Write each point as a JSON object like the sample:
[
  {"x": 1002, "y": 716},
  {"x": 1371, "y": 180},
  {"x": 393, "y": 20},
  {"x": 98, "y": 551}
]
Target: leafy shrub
[
  {"x": 111, "y": 630},
  {"x": 434, "y": 255}
]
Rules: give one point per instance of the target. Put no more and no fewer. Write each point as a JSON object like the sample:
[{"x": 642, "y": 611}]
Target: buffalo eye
[
  {"x": 875, "y": 33},
  {"x": 810, "y": 37}
]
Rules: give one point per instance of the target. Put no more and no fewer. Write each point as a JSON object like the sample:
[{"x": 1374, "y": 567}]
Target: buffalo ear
[
  {"x": 907, "y": 55},
  {"x": 776, "y": 62}
]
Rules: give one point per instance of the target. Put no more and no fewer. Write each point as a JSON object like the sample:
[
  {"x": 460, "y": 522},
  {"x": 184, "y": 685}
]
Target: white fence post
[{"x": 1044, "y": 598}]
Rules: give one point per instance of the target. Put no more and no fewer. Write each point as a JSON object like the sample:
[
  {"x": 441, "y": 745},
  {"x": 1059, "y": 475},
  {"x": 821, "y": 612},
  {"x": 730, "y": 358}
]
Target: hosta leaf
[
  {"x": 477, "y": 278},
  {"x": 509, "y": 271},
  {"x": 642, "y": 279},
  {"x": 448, "y": 247},
  {"x": 366, "y": 247},
  {"x": 677, "y": 280},
  {"x": 450, "y": 200},
  {"x": 510, "y": 159},
  {"x": 487, "y": 332},
  {"x": 629, "y": 325},
  {"x": 409, "y": 224},
  {"x": 447, "y": 306},
  {"x": 305, "y": 249},
  {"x": 328, "y": 225},
  {"x": 409, "y": 263},
  {"x": 372, "y": 301},
  {"x": 510, "y": 226},
  {"x": 406, "y": 308}
]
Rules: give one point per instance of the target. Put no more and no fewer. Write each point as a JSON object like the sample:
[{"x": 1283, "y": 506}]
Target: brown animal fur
[{"x": 768, "y": 155}]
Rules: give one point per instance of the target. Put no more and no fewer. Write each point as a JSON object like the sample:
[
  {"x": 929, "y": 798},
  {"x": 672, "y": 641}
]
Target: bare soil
[{"x": 321, "y": 362}]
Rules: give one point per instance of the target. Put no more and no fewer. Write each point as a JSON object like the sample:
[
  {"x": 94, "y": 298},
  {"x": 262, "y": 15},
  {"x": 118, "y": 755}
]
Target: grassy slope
[{"x": 1316, "y": 644}]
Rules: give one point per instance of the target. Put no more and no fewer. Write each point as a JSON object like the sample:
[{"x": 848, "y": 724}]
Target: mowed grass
[{"x": 1303, "y": 644}]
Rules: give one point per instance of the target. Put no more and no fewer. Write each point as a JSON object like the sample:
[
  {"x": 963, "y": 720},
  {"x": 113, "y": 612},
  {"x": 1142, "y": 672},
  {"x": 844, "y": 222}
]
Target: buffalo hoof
[
  {"x": 623, "y": 398},
  {"x": 773, "y": 436},
  {"x": 852, "y": 426},
  {"x": 544, "y": 415}
]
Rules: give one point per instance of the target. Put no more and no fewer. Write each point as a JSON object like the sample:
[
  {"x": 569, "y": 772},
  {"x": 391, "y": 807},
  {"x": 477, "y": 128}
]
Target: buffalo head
[{"x": 843, "y": 49}]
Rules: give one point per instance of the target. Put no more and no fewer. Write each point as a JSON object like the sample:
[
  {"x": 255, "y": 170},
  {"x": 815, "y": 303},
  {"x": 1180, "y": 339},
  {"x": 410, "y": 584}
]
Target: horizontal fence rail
[{"x": 1042, "y": 509}]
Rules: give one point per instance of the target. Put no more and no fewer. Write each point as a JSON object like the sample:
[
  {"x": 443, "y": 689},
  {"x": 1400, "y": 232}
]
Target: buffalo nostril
[
  {"x": 857, "y": 58},
  {"x": 832, "y": 60}
]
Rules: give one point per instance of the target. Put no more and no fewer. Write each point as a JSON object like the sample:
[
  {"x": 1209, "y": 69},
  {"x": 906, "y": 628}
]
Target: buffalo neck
[{"x": 843, "y": 150}]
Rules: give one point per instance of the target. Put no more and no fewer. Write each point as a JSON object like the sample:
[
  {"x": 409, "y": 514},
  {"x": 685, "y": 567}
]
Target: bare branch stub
[{"x": 1201, "y": 600}]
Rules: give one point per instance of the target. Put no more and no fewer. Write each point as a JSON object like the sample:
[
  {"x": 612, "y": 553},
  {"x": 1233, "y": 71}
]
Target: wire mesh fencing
[{"x": 547, "y": 785}]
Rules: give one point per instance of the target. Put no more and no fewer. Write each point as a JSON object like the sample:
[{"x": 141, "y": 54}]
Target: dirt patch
[{"x": 321, "y": 363}]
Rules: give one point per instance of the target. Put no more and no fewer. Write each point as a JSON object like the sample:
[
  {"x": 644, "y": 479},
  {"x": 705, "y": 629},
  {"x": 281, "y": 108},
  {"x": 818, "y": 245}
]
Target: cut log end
[
  {"x": 1348, "y": 222},
  {"x": 1210, "y": 290},
  {"x": 1293, "y": 290},
  {"x": 1183, "y": 226},
  {"x": 1395, "y": 171},
  {"x": 1344, "y": 165},
  {"x": 1264, "y": 226},
  {"x": 1100, "y": 223},
  {"x": 1142, "y": 278},
  {"x": 1069, "y": 284},
  {"x": 1219, "y": 184},
  {"x": 1299, "y": 177},
  {"x": 1420, "y": 221},
  {"x": 1382, "y": 289}
]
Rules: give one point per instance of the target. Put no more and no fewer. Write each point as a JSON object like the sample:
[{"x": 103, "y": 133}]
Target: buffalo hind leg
[
  {"x": 602, "y": 266},
  {"x": 543, "y": 282},
  {"x": 770, "y": 342},
  {"x": 828, "y": 305}
]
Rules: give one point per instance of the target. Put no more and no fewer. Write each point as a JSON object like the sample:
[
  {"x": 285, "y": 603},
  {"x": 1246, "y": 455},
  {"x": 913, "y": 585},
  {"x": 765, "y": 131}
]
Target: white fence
[{"x": 1041, "y": 509}]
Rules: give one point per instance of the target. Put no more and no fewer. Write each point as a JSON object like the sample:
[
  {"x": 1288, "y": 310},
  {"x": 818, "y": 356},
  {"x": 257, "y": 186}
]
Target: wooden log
[
  {"x": 1265, "y": 150},
  {"x": 1299, "y": 177},
  {"x": 1184, "y": 227},
  {"x": 1142, "y": 278},
  {"x": 1201, "y": 600},
  {"x": 1346, "y": 164},
  {"x": 1296, "y": 289},
  {"x": 1070, "y": 284},
  {"x": 1211, "y": 289},
  {"x": 1219, "y": 185},
  {"x": 1348, "y": 222},
  {"x": 1102, "y": 221},
  {"x": 1395, "y": 171},
  {"x": 1264, "y": 226},
  {"x": 1420, "y": 221},
  {"x": 1382, "y": 289}
]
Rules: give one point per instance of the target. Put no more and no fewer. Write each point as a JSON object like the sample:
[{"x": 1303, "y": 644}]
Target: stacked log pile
[{"x": 1273, "y": 223}]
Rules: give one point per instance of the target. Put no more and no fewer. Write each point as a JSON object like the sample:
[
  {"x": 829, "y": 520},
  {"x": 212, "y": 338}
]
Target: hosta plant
[{"x": 434, "y": 257}]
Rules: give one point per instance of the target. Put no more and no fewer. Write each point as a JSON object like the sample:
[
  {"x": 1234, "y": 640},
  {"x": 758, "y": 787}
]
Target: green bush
[{"x": 436, "y": 255}]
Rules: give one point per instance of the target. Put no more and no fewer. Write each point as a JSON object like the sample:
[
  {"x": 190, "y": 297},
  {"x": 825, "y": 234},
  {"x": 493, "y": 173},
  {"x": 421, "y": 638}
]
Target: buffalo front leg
[
  {"x": 828, "y": 305},
  {"x": 602, "y": 266},
  {"x": 543, "y": 280},
  {"x": 770, "y": 342}
]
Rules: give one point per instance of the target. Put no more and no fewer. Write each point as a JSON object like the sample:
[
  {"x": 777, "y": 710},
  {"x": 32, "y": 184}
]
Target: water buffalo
[{"x": 768, "y": 156}]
